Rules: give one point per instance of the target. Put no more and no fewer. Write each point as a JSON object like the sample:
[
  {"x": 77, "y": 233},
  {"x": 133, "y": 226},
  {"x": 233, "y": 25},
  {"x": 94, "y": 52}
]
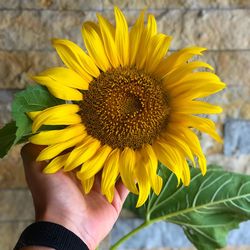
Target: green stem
[{"x": 134, "y": 231}]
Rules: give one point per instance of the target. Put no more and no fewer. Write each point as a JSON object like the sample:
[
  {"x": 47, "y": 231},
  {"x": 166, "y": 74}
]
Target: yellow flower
[{"x": 127, "y": 107}]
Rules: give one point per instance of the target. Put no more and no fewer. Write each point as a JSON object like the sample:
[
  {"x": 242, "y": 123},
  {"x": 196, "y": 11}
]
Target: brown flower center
[{"x": 125, "y": 107}]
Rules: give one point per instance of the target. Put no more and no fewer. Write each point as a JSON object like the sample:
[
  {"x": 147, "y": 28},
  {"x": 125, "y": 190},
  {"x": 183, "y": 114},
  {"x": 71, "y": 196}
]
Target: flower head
[{"x": 127, "y": 106}]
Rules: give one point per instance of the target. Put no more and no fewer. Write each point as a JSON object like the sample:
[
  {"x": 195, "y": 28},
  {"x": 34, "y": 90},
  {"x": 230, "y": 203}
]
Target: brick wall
[{"x": 26, "y": 27}]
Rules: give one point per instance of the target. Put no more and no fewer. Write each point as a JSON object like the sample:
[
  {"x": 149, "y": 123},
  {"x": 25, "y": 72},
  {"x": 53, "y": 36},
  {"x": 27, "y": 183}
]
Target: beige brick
[
  {"x": 239, "y": 164},
  {"x": 209, "y": 145},
  {"x": 81, "y": 5},
  {"x": 33, "y": 30},
  {"x": 6, "y": 98},
  {"x": 215, "y": 29},
  {"x": 208, "y": 28},
  {"x": 39, "y": 61},
  {"x": 77, "y": 5},
  {"x": 150, "y": 4},
  {"x": 131, "y": 16},
  {"x": 168, "y": 4},
  {"x": 11, "y": 4},
  {"x": 217, "y": 3},
  {"x": 11, "y": 170},
  {"x": 26, "y": 30},
  {"x": 16, "y": 204},
  {"x": 171, "y": 23},
  {"x": 12, "y": 65},
  {"x": 245, "y": 111},
  {"x": 15, "y": 67},
  {"x": 109, "y": 4},
  {"x": 230, "y": 66},
  {"x": 233, "y": 67},
  {"x": 10, "y": 232},
  {"x": 168, "y": 23},
  {"x": 234, "y": 101}
]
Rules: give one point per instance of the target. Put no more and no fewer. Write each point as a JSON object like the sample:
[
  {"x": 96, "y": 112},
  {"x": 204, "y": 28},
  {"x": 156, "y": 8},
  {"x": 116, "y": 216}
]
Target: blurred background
[{"x": 222, "y": 26}]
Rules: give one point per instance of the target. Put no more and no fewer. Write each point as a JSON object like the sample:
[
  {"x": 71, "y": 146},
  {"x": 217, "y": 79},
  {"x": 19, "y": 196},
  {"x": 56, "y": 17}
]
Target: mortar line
[{"x": 103, "y": 9}]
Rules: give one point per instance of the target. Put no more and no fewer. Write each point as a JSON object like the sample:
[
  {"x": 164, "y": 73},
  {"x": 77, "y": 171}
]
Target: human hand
[{"x": 58, "y": 198}]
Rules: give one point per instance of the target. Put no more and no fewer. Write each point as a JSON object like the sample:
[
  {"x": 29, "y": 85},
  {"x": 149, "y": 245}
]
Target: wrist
[
  {"x": 70, "y": 224},
  {"x": 49, "y": 235}
]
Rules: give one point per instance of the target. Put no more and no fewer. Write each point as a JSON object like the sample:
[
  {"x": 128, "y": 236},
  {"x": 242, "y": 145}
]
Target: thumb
[
  {"x": 29, "y": 153},
  {"x": 32, "y": 168}
]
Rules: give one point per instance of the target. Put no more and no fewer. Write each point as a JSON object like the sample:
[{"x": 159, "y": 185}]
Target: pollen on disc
[{"x": 125, "y": 107}]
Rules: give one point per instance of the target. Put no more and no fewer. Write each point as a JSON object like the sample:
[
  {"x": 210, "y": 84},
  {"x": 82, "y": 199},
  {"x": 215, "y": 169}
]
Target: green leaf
[
  {"x": 7, "y": 138},
  {"x": 130, "y": 204},
  {"x": 207, "y": 210},
  {"x": 34, "y": 98}
]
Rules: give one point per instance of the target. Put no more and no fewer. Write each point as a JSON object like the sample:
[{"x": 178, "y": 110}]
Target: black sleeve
[{"x": 49, "y": 234}]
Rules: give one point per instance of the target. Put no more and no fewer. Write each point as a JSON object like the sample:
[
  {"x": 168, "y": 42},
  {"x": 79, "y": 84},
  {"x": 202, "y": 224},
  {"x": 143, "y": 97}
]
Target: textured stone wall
[{"x": 27, "y": 26}]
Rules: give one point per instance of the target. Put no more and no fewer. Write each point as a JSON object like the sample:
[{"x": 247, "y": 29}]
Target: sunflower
[{"x": 127, "y": 106}]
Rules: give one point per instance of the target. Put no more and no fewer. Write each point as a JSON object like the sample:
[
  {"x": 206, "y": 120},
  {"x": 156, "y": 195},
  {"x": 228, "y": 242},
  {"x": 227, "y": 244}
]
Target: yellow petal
[
  {"x": 110, "y": 194},
  {"x": 76, "y": 59},
  {"x": 183, "y": 55},
  {"x": 86, "y": 184},
  {"x": 135, "y": 37},
  {"x": 64, "y": 114},
  {"x": 110, "y": 173},
  {"x": 195, "y": 107},
  {"x": 107, "y": 31},
  {"x": 192, "y": 140},
  {"x": 56, "y": 164},
  {"x": 95, "y": 27},
  {"x": 66, "y": 93},
  {"x": 148, "y": 32},
  {"x": 185, "y": 173},
  {"x": 69, "y": 120},
  {"x": 167, "y": 155},
  {"x": 122, "y": 37},
  {"x": 95, "y": 164},
  {"x": 178, "y": 158},
  {"x": 55, "y": 149},
  {"x": 82, "y": 153},
  {"x": 33, "y": 114},
  {"x": 173, "y": 77},
  {"x": 59, "y": 90},
  {"x": 95, "y": 46},
  {"x": 176, "y": 59},
  {"x": 144, "y": 190},
  {"x": 193, "y": 90},
  {"x": 63, "y": 76},
  {"x": 152, "y": 25},
  {"x": 142, "y": 177},
  {"x": 203, "y": 124},
  {"x": 127, "y": 169},
  {"x": 195, "y": 78},
  {"x": 177, "y": 142},
  {"x": 158, "y": 47},
  {"x": 57, "y": 136},
  {"x": 203, "y": 164},
  {"x": 151, "y": 162}
]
